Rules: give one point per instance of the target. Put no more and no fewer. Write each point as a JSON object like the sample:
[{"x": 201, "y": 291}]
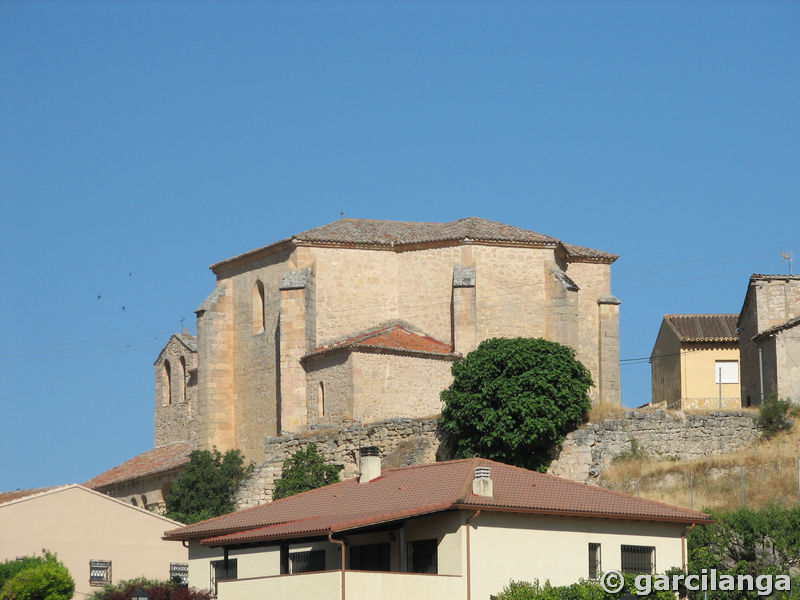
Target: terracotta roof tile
[
  {"x": 17, "y": 494},
  {"x": 704, "y": 328},
  {"x": 397, "y": 234},
  {"x": 157, "y": 460},
  {"x": 394, "y": 336},
  {"x": 777, "y": 328},
  {"x": 410, "y": 491}
]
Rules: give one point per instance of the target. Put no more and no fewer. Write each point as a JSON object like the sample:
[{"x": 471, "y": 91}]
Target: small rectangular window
[
  {"x": 638, "y": 560},
  {"x": 423, "y": 556},
  {"x": 99, "y": 572},
  {"x": 726, "y": 371},
  {"x": 221, "y": 570},
  {"x": 370, "y": 557},
  {"x": 308, "y": 561},
  {"x": 594, "y": 561},
  {"x": 179, "y": 573}
]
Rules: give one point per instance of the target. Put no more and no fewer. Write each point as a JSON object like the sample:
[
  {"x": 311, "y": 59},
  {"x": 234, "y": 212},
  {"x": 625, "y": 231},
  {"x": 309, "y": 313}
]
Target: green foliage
[
  {"x": 634, "y": 452},
  {"x": 774, "y": 415},
  {"x": 583, "y": 590},
  {"x": 514, "y": 400},
  {"x": 304, "y": 470},
  {"x": 155, "y": 590},
  {"x": 207, "y": 487},
  {"x": 36, "y": 579},
  {"x": 746, "y": 542}
]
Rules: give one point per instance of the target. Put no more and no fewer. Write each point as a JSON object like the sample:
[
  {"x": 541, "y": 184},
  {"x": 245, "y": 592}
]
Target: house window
[
  {"x": 99, "y": 572},
  {"x": 370, "y": 557},
  {"x": 726, "y": 371},
  {"x": 221, "y": 570},
  {"x": 638, "y": 560},
  {"x": 308, "y": 561},
  {"x": 179, "y": 573},
  {"x": 423, "y": 556},
  {"x": 594, "y": 561}
]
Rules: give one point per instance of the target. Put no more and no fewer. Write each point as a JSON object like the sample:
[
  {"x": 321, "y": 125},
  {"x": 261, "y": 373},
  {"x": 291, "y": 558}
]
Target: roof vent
[
  {"x": 482, "y": 484},
  {"x": 370, "y": 464}
]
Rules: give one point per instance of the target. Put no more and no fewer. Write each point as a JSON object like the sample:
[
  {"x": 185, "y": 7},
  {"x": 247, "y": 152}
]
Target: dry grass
[
  {"x": 605, "y": 410},
  {"x": 770, "y": 470}
]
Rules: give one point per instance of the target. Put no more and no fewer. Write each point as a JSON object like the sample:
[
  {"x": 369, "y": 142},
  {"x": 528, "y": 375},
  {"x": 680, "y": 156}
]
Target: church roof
[
  {"x": 704, "y": 328},
  {"x": 424, "y": 489},
  {"x": 396, "y": 235},
  {"x": 157, "y": 460},
  {"x": 395, "y": 336}
]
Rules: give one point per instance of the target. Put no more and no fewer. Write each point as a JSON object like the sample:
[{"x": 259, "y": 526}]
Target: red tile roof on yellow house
[
  {"x": 157, "y": 460},
  {"x": 397, "y": 337},
  {"x": 405, "y": 492}
]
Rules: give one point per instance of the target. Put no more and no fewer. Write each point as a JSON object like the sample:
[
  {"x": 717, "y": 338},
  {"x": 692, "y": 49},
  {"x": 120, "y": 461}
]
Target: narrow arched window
[
  {"x": 321, "y": 400},
  {"x": 182, "y": 380},
  {"x": 166, "y": 386},
  {"x": 144, "y": 501},
  {"x": 259, "y": 317},
  {"x": 133, "y": 501}
]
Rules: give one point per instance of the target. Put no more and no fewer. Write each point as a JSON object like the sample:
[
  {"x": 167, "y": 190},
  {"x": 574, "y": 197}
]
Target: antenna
[{"x": 788, "y": 257}]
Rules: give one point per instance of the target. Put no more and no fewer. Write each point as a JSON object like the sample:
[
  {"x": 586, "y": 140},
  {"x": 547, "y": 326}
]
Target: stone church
[{"x": 361, "y": 320}]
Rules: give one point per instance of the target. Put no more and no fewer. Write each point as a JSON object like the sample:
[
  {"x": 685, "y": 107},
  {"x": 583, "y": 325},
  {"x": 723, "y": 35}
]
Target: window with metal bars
[
  {"x": 370, "y": 557},
  {"x": 99, "y": 572},
  {"x": 179, "y": 573},
  {"x": 639, "y": 560},
  {"x": 307, "y": 561},
  {"x": 594, "y": 561},
  {"x": 223, "y": 569}
]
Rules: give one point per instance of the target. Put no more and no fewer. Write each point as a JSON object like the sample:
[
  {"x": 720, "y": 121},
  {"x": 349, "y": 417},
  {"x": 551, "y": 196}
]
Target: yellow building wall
[
  {"x": 698, "y": 379},
  {"x": 80, "y": 525}
]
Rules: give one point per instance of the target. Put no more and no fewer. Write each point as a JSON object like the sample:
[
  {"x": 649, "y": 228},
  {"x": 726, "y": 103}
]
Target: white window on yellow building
[{"x": 726, "y": 371}]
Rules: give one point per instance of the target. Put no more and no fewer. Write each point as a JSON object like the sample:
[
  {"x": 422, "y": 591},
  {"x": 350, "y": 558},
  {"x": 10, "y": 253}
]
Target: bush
[
  {"x": 514, "y": 400},
  {"x": 155, "y": 590},
  {"x": 304, "y": 470},
  {"x": 583, "y": 590},
  {"x": 46, "y": 580},
  {"x": 773, "y": 416},
  {"x": 207, "y": 487}
]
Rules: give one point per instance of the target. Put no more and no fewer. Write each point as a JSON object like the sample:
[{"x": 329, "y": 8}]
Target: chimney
[
  {"x": 482, "y": 484},
  {"x": 370, "y": 464}
]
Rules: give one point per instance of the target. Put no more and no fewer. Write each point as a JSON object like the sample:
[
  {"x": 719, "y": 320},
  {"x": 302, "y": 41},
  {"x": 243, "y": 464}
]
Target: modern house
[
  {"x": 459, "y": 529},
  {"x": 769, "y": 334},
  {"x": 695, "y": 362},
  {"x": 99, "y": 539}
]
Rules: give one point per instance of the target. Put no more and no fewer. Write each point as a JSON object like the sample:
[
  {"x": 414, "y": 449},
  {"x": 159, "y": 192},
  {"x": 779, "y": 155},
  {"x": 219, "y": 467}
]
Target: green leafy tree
[
  {"x": 38, "y": 579},
  {"x": 775, "y": 415},
  {"x": 514, "y": 400},
  {"x": 304, "y": 470},
  {"x": 207, "y": 487},
  {"x": 155, "y": 590}
]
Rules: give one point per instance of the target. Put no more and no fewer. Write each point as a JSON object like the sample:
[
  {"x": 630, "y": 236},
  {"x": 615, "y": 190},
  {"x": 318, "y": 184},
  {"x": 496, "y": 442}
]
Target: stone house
[
  {"x": 769, "y": 338},
  {"x": 454, "y": 529},
  {"x": 695, "y": 362},
  {"x": 361, "y": 320},
  {"x": 100, "y": 540}
]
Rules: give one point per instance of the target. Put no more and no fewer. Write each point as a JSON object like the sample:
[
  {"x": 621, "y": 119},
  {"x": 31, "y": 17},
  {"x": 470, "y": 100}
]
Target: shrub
[
  {"x": 47, "y": 580},
  {"x": 514, "y": 400},
  {"x": 773, "y": 416},
  {"x": 304, "y": 470},
  {"x": 155, "y": 590}
]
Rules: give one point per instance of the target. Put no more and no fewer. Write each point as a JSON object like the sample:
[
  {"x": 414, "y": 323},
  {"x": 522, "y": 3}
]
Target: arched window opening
[
  {"x": 166, "y": 386},
  {"x": 182, "y": 380},
  {"x": 259, "y": 316},
  {"x": 321, "y": 400},
  {"x": 133, "y": 501},
  {"x": 144, "y": 501}
]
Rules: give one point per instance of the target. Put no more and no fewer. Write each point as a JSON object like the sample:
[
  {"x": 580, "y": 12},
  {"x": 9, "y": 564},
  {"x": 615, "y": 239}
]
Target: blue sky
[{"x": 141, "y": 142}]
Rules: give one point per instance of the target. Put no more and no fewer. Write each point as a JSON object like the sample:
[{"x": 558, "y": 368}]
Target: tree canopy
[
  {"x": 304, "y": 470},
  {"x": 35, "y": 578},
  {"x": 514, "y": 400},
  {"x": 207, "y": 487}
]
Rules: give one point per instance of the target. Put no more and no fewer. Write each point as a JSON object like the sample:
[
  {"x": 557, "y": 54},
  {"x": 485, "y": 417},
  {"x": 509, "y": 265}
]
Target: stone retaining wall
[{"x": 590, "y": 449}]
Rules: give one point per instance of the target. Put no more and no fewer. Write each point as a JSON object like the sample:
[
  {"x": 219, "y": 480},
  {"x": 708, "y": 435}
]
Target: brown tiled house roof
[
  {"x": 391, "y": 337},
  {"x": 157, "y": 460},
  {"x": 372, "y": 233},
  {"x": 704, "y": 328},
  {"x": 423, "y": 489}
]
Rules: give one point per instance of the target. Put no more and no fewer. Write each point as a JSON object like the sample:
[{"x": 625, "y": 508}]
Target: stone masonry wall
[
  {"x": 401, "y": 442},
  {"x": 584, "y": 454},
  {"x": 590, "y": 449}
]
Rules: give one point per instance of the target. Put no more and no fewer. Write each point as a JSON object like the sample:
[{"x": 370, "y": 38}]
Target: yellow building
[
  {"x": 458, "y": 529},
  {"x": 695, "y": 362}
]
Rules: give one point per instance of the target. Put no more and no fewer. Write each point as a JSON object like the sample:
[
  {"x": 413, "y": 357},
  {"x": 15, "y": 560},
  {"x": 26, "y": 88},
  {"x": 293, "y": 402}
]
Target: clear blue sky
[{"x": 140, "y": 142}]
